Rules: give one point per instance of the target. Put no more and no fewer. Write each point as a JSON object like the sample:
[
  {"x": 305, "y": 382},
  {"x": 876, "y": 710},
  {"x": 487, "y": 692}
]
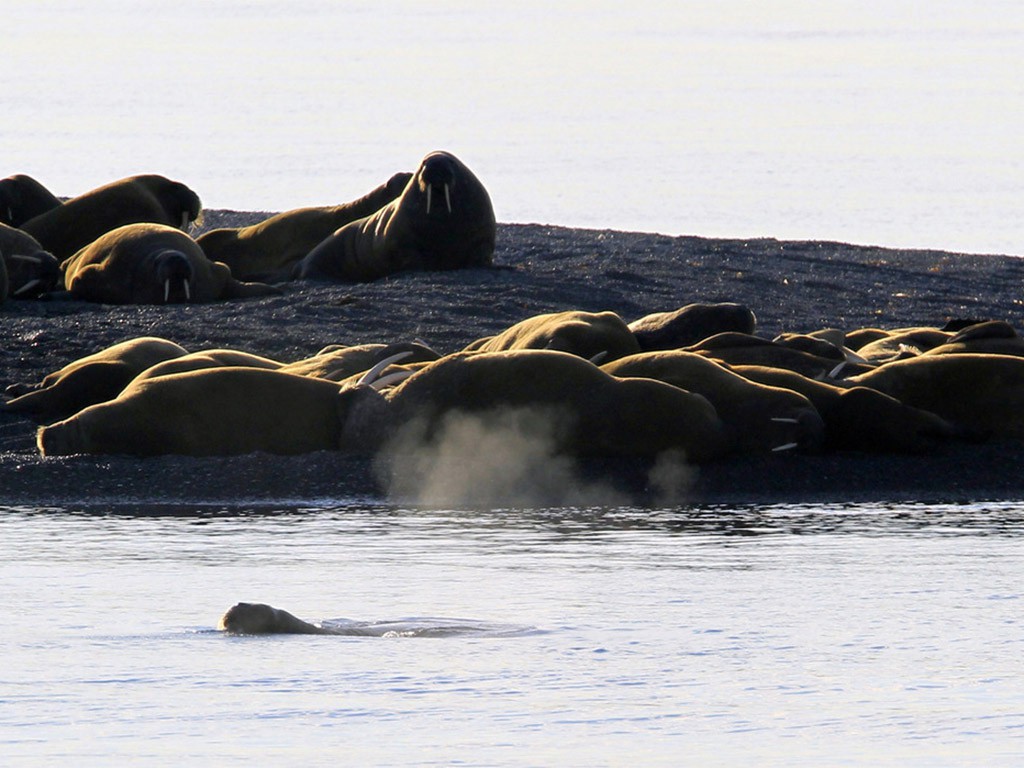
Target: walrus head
[
  {"x": 251, "y": 619},
  {"x": 436, "y": 178},
  {"x": 174, "y": 275},
  {"x": 32, "y": 274}
]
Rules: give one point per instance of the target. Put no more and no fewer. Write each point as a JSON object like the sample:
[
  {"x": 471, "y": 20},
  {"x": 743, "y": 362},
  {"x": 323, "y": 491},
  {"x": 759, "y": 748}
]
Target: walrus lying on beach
[
  {"x": 743, "y": 349},
  {"x": 691, "y": 324},
  {"x": 981, "y": 394},
  {"x": 442, "y": 220},
  {"x": 30, "y": 270},
  {"x": 589, "y": 335},
  {"x": 136, "y": 199},
  {"x": 151, "y": 264},
  {"x": 89, "y": 380},
  {"x": 23, "y": 198},
  {"x": 757, "y": 417},
  {"x": 225, "y": 411},
  {"x": 338, "y": 363},
  {"x": 269, "y": 249}
]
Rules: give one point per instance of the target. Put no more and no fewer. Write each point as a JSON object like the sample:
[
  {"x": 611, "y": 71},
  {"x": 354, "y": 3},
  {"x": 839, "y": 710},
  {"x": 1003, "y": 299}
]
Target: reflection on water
[{"x": 797, "y": 635}]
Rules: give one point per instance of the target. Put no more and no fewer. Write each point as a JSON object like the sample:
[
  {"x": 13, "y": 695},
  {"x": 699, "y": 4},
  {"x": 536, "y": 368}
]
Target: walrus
[
  {"x": 691, "y": 324},
  {"x": 269, "y": 249},
  {"x": 263, "y": 619},
  {"x": 901, "y": 343},
  {"x": 858, "y": 418},
  {"x": 758, "y": 418},
  {"x": 211, "y": 412},
  {"x": 225, "y": 411},
  {"x": 586, "y": 334},
  {"x": 994, "y": 337},
  {"x": 743, "y": 349},
  {"x": 152, "y": 264},
  {"x": 338, "y": 363},
  {"x": 89, "y": 380},
  {"x": 209, "y": 358},
  {"x": 23, "y": 198},
  {"x": 442, "y": 220},
  {"x": 137, "y": 199},
  {"x": 31, "y": 271},
  {"x": 587, "y": 411},
  {"x": 982, "y": 394}
]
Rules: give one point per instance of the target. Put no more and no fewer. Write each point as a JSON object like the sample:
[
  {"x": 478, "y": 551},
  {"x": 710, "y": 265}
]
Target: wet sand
[{"x": 791, "y": 286}]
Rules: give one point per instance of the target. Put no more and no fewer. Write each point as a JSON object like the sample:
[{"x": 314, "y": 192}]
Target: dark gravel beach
[{"x": 791, "y": 286}]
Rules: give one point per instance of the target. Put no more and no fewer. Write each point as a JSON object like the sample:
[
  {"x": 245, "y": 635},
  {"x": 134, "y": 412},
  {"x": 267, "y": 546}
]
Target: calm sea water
[
  {"x": 860, "y": 635},
  {"x": 873, "y": 122}
]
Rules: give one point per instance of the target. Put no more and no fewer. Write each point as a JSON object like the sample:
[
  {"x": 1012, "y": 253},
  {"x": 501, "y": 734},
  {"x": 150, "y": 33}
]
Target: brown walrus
[
  {"x": 23, "y": 198},
  {"x": 147, "y": 198},
  {"x": 30, "y": 271},
  {"x": 92, "y": 379},
  {"x": 151, "y": 264},
  {"x": 442, "y": 220},
  {"x": 270, "y": 248},
  {"x": 590, "y": 335}
]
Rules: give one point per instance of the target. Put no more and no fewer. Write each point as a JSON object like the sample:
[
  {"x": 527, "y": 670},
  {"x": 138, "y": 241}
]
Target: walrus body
[
  {"x": 344, "y": 362},
  {"x": 137, "y": 199},
  {"x": 980, "y": 393},
  {"x": 151, "y": 264},
  {"x": 23, "y": 198},
  {"x": 270, "y": 248},
  {"x": 588, "y": 412},
  {"x": 442, "y": 220},
  {"x": 213, "y": 412},
  {"x": 742, "y": 349},
  {"x": 758, "y": 418},
  {"x": 857, "y": 418},
  {"x": 586, "y": 334},
  {"x": 30, "y": 270},
  {"x": 89, "y": 380},
  {"x": 263, "y": 619},
  {"x": 691, "y": 324}
]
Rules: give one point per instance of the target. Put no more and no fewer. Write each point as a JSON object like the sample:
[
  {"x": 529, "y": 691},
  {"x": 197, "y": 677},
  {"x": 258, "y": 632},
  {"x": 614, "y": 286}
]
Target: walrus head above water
[
  {"x": 437, "y": 177},
  {"x": 263, "y": 619}
]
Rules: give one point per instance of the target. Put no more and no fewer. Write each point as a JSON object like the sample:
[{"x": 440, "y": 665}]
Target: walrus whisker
[
  {"x": 785, "y": 447},
  {"x": 447, "y": 197},
  {"x": 371, "y": 375},
  {"x": 785, "y": 420},
  {"x": 392, "y": 378},
  {"x": 27, "y": 287},
  {"x": 429, "y": 190},
  {"x": 21, "y": 257}
]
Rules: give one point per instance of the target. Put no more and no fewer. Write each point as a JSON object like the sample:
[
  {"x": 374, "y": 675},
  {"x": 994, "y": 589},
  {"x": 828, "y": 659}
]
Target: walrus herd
[
  {"x": 696, "y": 382},
  {"x": 128, "y": 241}
]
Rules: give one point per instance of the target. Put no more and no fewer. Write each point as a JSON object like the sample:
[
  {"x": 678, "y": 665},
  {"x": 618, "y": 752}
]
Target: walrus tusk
[
  {"x": 10, "y": 213},
  {"x": 184, "y": 221},
  {"x": 784, "y": 420},
  {"x": 371, "y": 375},
  {"x": 429, "y": 189},
  {"x": 447, "y": 197},
  {"x": 596, "y": 359},
  {"x": 785, "y": 447},
  {"x": 835, "y": 371},
  {"x": 27, "y": 287},
  {"x": 29, "y": 259},
  {"x": 167, "y": 289},
  {"x": 392, "y": 378},
  {"x": 188, "y": 291}
]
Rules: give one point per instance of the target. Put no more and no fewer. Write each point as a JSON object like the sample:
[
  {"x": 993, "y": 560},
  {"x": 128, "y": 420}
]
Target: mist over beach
[{"x": 880, "y": 123}]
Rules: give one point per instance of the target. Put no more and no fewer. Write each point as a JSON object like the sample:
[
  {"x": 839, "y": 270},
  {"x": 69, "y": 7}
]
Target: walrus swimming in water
[
  {"x": 269, "y": 249},
  {"x": 23, "y": 198},
  {"x": 442, "y": 220},
  {"x": 146, "y": 199},
  {"x": 151, "y": 264}
]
